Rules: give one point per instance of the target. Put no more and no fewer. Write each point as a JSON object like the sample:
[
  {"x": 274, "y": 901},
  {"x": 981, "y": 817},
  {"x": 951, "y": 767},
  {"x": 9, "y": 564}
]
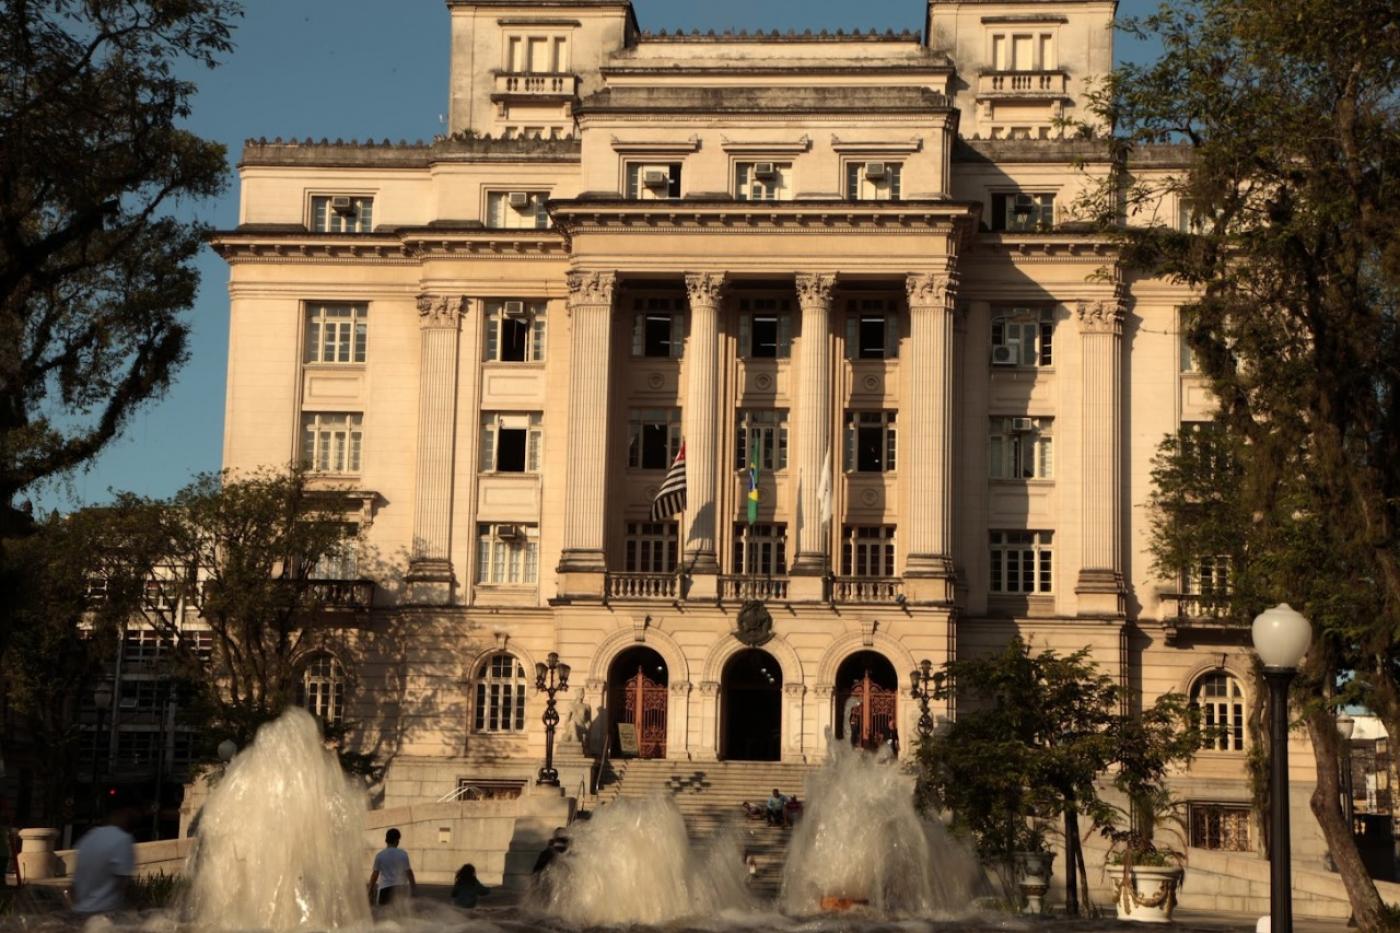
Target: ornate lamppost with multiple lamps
[
  {"x": 919, "y": 680},
  {"x": 551, "y": 677}
]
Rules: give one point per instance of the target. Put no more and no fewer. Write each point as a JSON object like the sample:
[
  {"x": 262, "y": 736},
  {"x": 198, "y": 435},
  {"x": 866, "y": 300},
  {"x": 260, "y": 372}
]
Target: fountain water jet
[{"x": 281, "y": 838}]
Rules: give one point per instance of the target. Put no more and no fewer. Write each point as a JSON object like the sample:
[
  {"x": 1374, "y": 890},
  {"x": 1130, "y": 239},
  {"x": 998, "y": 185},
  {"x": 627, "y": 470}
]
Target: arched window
[
  {"x": 1220, "y": 699},
  {"x": 500, "y": 694},
  {"x": 323, "y": 687}
]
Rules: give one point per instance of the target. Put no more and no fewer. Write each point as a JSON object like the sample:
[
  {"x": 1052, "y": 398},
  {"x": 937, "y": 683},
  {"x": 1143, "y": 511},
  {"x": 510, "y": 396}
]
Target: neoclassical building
[{"x": 842, "y": 271}]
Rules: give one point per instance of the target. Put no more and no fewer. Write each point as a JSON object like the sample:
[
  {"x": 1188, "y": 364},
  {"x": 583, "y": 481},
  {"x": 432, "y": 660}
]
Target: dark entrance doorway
[
  {"x": 867, "y": 694},
  {"x": 637, "y": 691},
  {"x": 752, "y": 699}
]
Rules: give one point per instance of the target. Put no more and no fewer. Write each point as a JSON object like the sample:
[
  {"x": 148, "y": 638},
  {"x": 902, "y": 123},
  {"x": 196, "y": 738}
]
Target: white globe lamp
[{"x": 1281, "y": 637}]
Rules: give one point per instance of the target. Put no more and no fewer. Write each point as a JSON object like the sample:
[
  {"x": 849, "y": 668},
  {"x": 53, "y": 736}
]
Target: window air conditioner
[
  {"x": 876, "y": 171},
  {"x": 1003, "y": 355},
  {"x": 1022, "y": 425},
  {"x": 508, "y": 532},
  {"x": 341, "y": 204},
  {"x": 515, "y": 309},
  {"x": 656, "y": 178},
  {"x": 519, "y": 200},
  {"x": 764, "y": 169}
]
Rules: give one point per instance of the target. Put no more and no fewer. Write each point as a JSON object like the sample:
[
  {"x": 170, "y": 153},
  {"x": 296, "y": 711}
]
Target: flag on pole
[
  {"x": 753, "y": 483},
  {"x": 670, "y": 498},
  {"x": 824, "y": 493}
]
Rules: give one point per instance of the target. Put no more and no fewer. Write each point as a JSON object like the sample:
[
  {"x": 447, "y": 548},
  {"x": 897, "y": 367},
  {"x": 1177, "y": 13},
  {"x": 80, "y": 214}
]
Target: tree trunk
[
  {"x": 1366, "y": 906},
  {"x": 1071, "y": 858}
]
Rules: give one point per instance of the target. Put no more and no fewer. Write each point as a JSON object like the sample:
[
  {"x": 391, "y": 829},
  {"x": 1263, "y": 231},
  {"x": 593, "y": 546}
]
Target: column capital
[
  {"x": 705, "y": 288},
  {"x": 931, "y": 289},
  {"x": 441, "y": 311},
  {"x": 591, "y": 288},
  {"x": 815, "y": 288},
  {"x": 1100, "y": 317}
]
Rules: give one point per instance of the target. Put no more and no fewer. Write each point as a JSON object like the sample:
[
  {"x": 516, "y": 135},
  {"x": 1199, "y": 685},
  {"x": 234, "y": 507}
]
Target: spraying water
[
  {"x": 861, "y": 839},
  {"x": 281, "y": 839}
]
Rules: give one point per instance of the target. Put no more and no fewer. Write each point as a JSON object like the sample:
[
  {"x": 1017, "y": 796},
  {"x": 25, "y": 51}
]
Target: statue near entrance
[
  {"x": 578, "y": 719},
  {"x": 754, "y": 625}
]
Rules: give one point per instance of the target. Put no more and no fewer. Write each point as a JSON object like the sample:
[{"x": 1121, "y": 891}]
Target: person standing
[
  {"x": 392, "y": 872},
  {"x": 106, "y": 862},
  {"x": 467, "y": 889}
]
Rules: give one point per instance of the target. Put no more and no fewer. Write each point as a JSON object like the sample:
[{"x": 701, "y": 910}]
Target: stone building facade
[{"x": 848, "y": 259}]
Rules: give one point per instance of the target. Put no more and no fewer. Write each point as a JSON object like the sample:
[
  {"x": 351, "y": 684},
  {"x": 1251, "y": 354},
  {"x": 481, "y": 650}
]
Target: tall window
[
  {"x": 1021, "y": 448},
  {"x": 760, "y": 550},
  {"x": 763, "y": 181},
  {"x": 517, "y": 210},
  {"x": 331, "y": 441},
  {"x": 341, "y": 561},
  {"x": 765, "y": 328},
  {"x": 1205, "y": 452},
  {"x": 1023, "y": 337},
  {"x": 655, "y": 438},
  {"x": 872, "y": 329},
  {"x": 515, "y": 331},
  {"x": 1220, "y": 699},
  {"x": 652, "y": 547},
  {"x": 761, "y": 431},
  {"x": 341, "y": 213},
  {"x": 870, "y": 441},
  {"x": 500, "y": 694},
  {"x": 658, "y": 327},
  {"x": 1209, "y": 576},
  {"x": 653, "y": 181},
  {"x": 511, "y": 442},
  {"x": 336, "y": 333},
  {"x": 1022, "y": 562},
  {"x": 1220, "y": 826},
  {"x": 873, "y": 181},
  {"x": 323, "y": 687},
  {"x": 1023, "y": 212},
  {"x": 145, "y": 646},
  {"x": 1023, "y": 51},
  {"x": 538, "y": 54},
  {"x": 507, "y": 554},
  {"x": 868, "y": 551}
]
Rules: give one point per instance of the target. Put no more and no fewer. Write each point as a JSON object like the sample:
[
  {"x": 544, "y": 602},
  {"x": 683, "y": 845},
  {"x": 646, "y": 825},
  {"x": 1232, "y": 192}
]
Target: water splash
[
  {"x": 633, "y": 864},
  {"x": 861, "y": 838},
  {"x": 281, "y": 838}
]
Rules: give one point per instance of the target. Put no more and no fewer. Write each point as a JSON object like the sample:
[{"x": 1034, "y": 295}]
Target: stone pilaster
[
  {"x": 700, "y": 424},
  {"x": 1100, "y": 584},
  {"x": 814, "y": 296},
  {"x": 430, "y": 567},
  {"x": 926, "y": 457},
  {"x": 582, "y": 564}
]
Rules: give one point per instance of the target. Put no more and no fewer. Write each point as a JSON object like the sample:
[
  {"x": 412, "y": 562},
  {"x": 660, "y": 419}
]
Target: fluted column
[
  {"x": 927, "y": 456},
  {"x": 814, "y": 291},
  {"x": 1100, "y": 584},
  {"x": 582, "y": 563},
  {"x": 699, "y": 419},
  {"x": 430, "y": 569}
]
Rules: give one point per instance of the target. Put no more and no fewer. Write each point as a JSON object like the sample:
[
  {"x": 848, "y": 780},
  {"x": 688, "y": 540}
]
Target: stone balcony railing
[
  {"x": 742, "y": 587},
  {"x": 642, "y": 586},
  {"x": 1021, "y": 84},
  {"x": 534, "y": 83},
  {"x": 342, "y": 595},
  {"x": 867, "y": 590}
]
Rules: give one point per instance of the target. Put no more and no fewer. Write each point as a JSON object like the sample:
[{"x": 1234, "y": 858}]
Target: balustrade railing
[
  {"x": 642, "y": 586},
  {"x": 342, "y": 594},
  {"x": 866, "y": 589},
  {"x": 526, "y": 83},
  {"x": 1024, "y": 82},
  {"x": 747, "y": 587}
]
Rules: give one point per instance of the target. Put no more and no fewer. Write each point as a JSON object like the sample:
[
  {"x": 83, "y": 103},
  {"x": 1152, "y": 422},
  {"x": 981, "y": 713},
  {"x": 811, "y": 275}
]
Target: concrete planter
[
  {"x": 1146, "y": 893},
  {"x": 1034, "y": 870},
  {"x": 36, "y": 855}
]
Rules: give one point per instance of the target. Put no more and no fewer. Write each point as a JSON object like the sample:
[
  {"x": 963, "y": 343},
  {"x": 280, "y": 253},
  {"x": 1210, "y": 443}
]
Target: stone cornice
[
  {"x": 1042, "y": 247},
  {"x": 407, "y": 247}
]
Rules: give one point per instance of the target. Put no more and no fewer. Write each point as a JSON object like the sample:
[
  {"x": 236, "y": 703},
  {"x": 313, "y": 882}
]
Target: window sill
[
  {"x": 318, "y": 365},
  {"x": 1022, "y": 370},
  {"x": 515, "y": 364},
  {"x": 1028, "y": 481}
]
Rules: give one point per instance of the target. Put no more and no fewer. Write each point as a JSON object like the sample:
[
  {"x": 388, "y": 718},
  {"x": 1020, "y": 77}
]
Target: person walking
[
  {"x": 106, "y": 862},
  {"x": 467, "y": 888},
  {"x": 392, "y": 872}
]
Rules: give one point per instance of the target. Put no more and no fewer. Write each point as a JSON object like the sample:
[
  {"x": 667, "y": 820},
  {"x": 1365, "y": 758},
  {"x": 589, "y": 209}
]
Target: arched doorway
[
  {"x": 867, "y": 693},
  {"x": 637, "y": 687},
  {"x": 752, "y": 700}
]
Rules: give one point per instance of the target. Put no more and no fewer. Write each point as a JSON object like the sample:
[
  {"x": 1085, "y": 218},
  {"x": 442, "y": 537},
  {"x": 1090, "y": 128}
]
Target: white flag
[{"x": 824, "y": 492}]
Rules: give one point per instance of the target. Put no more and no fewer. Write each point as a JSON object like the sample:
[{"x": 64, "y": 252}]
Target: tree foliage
[{"x": 95, "y": 270}]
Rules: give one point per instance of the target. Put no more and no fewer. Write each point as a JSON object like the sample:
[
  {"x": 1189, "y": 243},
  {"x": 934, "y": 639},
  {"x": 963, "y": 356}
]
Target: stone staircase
[{"x": 709, "y": 794}]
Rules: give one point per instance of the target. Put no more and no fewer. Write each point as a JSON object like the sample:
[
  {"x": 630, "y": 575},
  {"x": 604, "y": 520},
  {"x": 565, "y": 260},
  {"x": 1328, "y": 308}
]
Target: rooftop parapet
[{"x": 403, "y": 154}]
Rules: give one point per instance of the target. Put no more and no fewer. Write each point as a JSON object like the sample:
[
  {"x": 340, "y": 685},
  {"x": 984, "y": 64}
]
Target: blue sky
[{"x": 357, "y": 69}]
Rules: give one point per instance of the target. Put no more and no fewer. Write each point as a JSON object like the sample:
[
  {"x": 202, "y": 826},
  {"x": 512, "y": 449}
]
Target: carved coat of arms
[{"x": 754, "y": 625}]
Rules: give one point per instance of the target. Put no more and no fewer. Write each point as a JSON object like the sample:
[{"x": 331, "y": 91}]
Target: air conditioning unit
[
  {"x": 1022, "y": 425},
  {"x": 508, "y": 532},
  {"x": 342, "y": 204},
  {"x": 764, "y": 169},
  {"x": 876, "y": 171},
  {"x": 656, "y": 178},
  {"x": 1003, "y": 355},
  {"x": 519, "y": 200},
  {"x": 515, "y": 309}
]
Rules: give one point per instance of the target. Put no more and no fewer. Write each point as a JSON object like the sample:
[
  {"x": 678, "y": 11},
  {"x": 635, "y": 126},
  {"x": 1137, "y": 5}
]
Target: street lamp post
[
  {"x": 919, "y": 680},
  {"x": 1345, "y": 727},
  {"x": 551, "y": 677},
  {"x": 101, "y": 746},
  {"x": 1281, "y": 638}
]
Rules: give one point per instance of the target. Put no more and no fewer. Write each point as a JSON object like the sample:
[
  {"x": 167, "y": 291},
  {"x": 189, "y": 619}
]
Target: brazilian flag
[{"x": 753, "y": 484}]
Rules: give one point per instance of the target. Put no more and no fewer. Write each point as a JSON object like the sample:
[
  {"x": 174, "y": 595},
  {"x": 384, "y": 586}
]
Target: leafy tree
[
  {"x": 94, "y": 269},
  {"x": 1289, "y": 111}
]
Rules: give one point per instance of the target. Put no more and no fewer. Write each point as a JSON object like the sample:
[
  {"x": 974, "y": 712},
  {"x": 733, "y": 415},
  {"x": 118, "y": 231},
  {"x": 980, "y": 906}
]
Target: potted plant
[
  {"x": 1033, "y": 869},
  {"x": 1146, "y": 878}
]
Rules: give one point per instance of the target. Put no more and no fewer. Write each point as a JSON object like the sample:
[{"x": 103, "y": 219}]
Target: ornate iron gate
[
  {"x": 872, "y": 716},
  {"x": 644, "y": 705}
]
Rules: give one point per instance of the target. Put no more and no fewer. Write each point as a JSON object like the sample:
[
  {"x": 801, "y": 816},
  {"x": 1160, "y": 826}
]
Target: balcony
[
  {"x": 1014, "y": 84},
  {"x": 1185, "y": 611},
  {"x": 519, "y": 84},
  {"x": 884, "y": 590},
  {"x": 642, "y": 586},
  {"x": 342, "y": 595},
  {"x": 745, "y": 588}
]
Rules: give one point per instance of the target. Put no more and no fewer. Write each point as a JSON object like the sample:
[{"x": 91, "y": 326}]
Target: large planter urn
[
  {"x": 1146, "y": 893},
  {"x": 1033, "y": 873}
]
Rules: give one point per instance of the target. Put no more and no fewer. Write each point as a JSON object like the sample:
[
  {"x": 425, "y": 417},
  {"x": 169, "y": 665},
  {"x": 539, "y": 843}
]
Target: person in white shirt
[
  {"x": 391, "y": 873},
  {"x": 106, "y": 861}
]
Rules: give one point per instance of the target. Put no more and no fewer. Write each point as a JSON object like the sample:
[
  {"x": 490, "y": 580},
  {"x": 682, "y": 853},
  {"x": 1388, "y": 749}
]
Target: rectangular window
[
  {"x": 340, "y": 562},
  {"x": 1210, "y": 576},
  {"x": 1022, "y": 562},
  {"x": 872, "y": 329},
  {"x": 868, "y": 551},
  {"x": 1021, "y": 448},
  {"x": 1205, "y": 451},
  {"x": 1220, "y": 826},
  {"x": 658, "y": 327},
  {"x": 1023, "y": 212},
  {"x": 517, "y": 210},
  {"x": 515, "y": 331},
  {"x": 144, "y": 646},
  {"x": 763, "y": 181},
  {"x": 654, "y": 438},
  {"x": 763, "y": 431},
  {"x": 144, "y": 696},
  {"x": 340, "y": 213},
  {"x": 873, "y": 181},
  {"x": 653, "y": 181},
  {"x": 511, "y": 442},
  {"x": 652, "y": 547},
  {"x": 331, "y": 442},
  {"x": 1023, "y": 336},
  {"x": 765, "y": 328},
  {"x": 1188, "y": 363},
  {"x": 336, "y": 333},
  {"x": 870, "y": 441},
  {"x": 507, "y": 554},
  {"x": 760, "y": 550}
]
